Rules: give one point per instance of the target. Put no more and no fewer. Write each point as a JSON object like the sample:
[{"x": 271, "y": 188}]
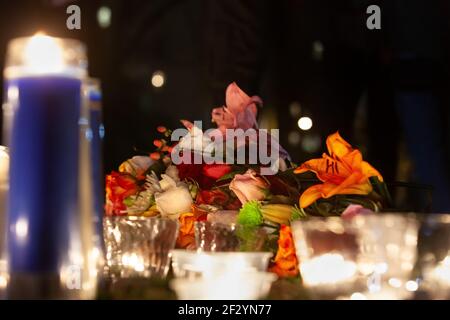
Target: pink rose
[
  {"x": 353, "y": 210},
  {"x": 240, "y": 110},
  {"x": 248, "y": 186}
]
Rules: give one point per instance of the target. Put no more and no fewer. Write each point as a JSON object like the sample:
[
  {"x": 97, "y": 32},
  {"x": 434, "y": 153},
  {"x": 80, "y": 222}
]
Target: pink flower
[
  {"x": 240, "y": 110},
  {"x": 353, "y": 210},
  {"x": 249, "y": 187}
]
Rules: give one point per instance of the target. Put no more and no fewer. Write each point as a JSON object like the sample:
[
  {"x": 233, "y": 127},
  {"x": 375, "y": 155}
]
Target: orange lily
[{"x": 343, "y": 171}]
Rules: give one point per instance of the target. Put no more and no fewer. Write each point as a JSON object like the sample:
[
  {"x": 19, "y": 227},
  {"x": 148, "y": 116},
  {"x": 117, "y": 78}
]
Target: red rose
[
  {"x": 204, "y": 174},
  {"x": 189, "y": 171},
  {"x": 216, "y": 171},
  {"x": 212, "y": 197}
]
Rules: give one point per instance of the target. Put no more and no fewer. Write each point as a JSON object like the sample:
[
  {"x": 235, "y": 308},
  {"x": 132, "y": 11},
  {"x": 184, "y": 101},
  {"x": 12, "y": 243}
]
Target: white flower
[
  {"x": 174, "y": 201},
  {"x": 172, "y": 171}
]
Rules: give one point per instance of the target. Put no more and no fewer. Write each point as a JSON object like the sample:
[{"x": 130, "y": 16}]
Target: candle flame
[{"x": 43, "y": 54}]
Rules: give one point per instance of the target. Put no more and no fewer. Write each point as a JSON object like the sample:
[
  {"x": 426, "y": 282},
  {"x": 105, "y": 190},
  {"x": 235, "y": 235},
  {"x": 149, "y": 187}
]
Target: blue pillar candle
[{"x": 50, "y": 228}]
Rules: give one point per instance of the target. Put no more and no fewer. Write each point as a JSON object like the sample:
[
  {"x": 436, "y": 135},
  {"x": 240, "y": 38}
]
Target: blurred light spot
[
  {"x": 21, "y": 228},
  {"x": 294, "y": 138},
  {"x": 89, "y": 134},
  {"x": 158, "y": 79},
  {"x": 83, "y": 121},
  {"x": 3, "y": 281},
  {"x": 381, "y": 268},
  {"x": 311, "y": 143},
  {"x": 101, "y": 131},
  {"x": 411, "y": 286},
  {"x": 13, "y": 93},
  {"x": 317, "y": 50},
  {"x": 305, "y": 123},
  {"x": 358, "y": 296},
  {"x": 295, "y": 109},
  {"x": 395, "y": 283},
  {"x": 104, "y": 17}
]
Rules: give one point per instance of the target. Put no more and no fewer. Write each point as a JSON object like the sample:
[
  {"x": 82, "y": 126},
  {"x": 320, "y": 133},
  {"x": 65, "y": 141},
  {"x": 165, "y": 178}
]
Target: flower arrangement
[{"x": 233, "y": 192}]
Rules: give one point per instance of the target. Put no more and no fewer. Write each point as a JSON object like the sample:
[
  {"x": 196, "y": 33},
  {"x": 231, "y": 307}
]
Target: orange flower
[
  {"x": 119, "y": 186},
  {"x": 343, "y": 171},
  {"x": 186, "y": 236},
  {"x": 285, "y": 263}
]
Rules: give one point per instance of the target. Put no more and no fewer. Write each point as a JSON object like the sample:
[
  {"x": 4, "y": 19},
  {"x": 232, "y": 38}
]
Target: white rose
[{"x": 174, "y": 201}]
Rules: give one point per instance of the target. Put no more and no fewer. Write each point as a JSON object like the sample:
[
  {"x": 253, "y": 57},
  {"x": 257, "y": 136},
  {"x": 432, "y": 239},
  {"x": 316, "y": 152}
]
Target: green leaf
[
  {"x": 381, "y": 188},
  {"x": 128, "y": 201},
  {"x": 230, "y": 175}
]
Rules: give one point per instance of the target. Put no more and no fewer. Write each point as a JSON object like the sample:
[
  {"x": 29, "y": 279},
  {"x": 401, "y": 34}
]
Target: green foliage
[
  {"x": 250, "y": 214},
  {"x": 297, "y": 214}
]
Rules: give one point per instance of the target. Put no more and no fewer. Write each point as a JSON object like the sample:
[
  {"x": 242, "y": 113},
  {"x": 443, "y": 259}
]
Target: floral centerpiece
[{"x": 215, "y": 175}]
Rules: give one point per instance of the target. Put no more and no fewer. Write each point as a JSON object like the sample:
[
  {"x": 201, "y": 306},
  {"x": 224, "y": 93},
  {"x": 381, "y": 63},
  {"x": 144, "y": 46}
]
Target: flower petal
[
  {"x": 326, "y": 169},
  {"x": 311, "y": 195},
  {"x": 327, "y": 190},
  {"x": 351, "y": 185},
  {"x": 223, "y": 118},
  {"x": 337, "y": 146},
  {"x": 236, "y": 99}
]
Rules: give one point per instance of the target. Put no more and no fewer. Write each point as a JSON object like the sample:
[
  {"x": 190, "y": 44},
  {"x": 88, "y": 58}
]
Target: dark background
[{"x": 385, "y": 90}]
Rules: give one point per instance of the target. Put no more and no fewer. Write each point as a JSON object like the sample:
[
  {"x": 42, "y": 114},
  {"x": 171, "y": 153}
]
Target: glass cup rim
[
  {"x": 160, "y": 220},
  {"x": 215, "y": 254},
  {"x": 408, "y": 215},
  {"x": 231, "y": 227}
]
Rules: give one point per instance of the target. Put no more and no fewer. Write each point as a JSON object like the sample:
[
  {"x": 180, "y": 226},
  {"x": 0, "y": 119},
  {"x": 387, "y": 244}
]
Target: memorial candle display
[{"x": 49, "y": 214}]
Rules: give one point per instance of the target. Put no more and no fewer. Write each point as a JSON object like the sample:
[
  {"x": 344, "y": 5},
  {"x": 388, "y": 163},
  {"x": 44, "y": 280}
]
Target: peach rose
[{"x": 248, "y": 186}]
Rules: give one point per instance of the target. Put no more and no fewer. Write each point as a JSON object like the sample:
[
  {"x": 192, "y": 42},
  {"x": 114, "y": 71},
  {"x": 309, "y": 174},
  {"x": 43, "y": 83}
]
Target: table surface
[{"x": 138, "y": 288}]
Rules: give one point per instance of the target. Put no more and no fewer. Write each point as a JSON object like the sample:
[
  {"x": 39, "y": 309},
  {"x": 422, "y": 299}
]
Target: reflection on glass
[
  {"x": 220, "y": 237},
  {"x": 138, "y": 246},
  {"x": 366, "y": 257},
  {"x": 434, "y": 256},
  {"x": 192, "y": 264}
]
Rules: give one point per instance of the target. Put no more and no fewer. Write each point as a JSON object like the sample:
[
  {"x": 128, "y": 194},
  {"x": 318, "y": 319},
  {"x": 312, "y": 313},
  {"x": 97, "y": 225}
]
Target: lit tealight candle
[
  {"x": 327, "y": 269},
  {"x": 442, "y": 271}
]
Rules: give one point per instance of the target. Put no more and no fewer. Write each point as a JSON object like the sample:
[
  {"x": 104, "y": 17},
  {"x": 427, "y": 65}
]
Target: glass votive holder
[
  {"x": 225, "y": 286},
  {"x": 369, "y": 256},
  {"x": 195, "y": 264},
  {"x": 434, "y": 256},
  {"x": 218, "y": 237},
  {"x": 328, "y": 250},
  {"x": 388, "y": 254},
  {"x": 138, "y": 246}
]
